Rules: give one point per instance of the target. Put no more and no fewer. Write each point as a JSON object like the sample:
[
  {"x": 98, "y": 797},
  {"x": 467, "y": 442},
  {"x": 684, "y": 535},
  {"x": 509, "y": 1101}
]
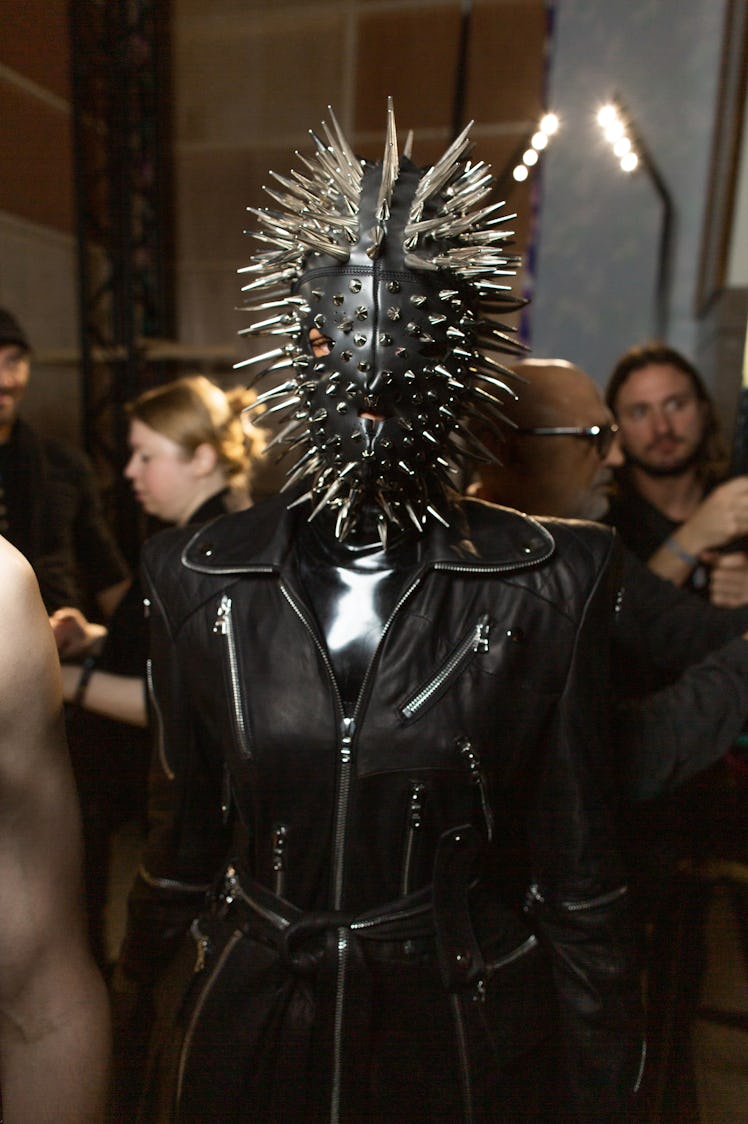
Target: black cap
[{"x": 11, "y": 331}]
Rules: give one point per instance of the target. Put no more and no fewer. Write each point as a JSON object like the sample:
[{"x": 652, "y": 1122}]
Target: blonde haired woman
[{"x": 190, "y": 461}]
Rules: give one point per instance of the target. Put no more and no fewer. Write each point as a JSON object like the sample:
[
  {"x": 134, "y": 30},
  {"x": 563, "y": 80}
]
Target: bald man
[
  {"x": 545, "y": 471},
  {"x": 558, "y": 462}
]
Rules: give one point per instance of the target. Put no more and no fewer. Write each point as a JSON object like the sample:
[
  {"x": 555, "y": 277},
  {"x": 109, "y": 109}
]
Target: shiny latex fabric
[{"x": 353, "y": 588}]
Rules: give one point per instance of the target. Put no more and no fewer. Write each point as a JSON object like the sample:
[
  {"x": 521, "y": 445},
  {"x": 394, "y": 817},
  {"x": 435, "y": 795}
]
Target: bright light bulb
[
  {"x": 549, "y": 124},
  {"x": 629, "y": 162},
  {"x": 606, "y": 115},
  {"x": 539, "y": 141},
  {"x": 614, "y": 131},
  {"x": 520, "y": 173},
  {"x": 530, "y": 157},
  {"x": 622, "y": 146}
]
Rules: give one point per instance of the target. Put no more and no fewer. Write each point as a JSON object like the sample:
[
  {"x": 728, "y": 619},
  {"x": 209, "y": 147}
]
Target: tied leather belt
[{"x": 407, "y": 929}]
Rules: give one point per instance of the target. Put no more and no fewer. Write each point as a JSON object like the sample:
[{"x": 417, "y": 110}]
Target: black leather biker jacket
[{"x": 483, "y": 715}]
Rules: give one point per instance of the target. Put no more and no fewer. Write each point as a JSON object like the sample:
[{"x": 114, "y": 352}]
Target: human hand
[
  {"x": 728, "y": 581},
  {"x": 719, "y": 519},
  {"x": 74, "y": 634}
]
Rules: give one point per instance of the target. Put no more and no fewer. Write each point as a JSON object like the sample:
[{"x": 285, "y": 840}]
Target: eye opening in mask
[{"x": 320, "y": 343}]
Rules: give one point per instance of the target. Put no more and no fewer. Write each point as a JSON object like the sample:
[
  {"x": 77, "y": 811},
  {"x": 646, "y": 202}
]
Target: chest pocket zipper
[
  {"x": 224, "y": 626},
  {"x": 413, "y": 826},
  {"x": 475, "y": 643}
]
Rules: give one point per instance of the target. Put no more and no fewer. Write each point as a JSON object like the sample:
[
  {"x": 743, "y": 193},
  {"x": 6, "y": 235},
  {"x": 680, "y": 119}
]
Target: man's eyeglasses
[{"x": 601, "y": 436}]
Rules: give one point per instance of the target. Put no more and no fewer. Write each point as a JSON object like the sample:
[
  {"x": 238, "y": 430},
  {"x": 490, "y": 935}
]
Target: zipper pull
[
  {"x": 482, "y": 630},
  {"x": 229, "y": 885},
  {"x": 471, "y": 757},
  {"x": 533, "y": 898},
  {"x": 221, "y": 623},
  {"x": 146, "y": 607},
  {"x": 415, "y": 805},
  {"x": 280, "y": 842},
  {"x": 620, "y": 593},
  {"x": 349, "y": 728}
]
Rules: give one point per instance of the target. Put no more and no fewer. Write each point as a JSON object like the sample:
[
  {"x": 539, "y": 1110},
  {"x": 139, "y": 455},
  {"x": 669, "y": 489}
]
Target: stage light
[
  {"x": 632, "y": 154},
  {"x": 619, "y": 133},
  {"x": 547, "y": 127}
]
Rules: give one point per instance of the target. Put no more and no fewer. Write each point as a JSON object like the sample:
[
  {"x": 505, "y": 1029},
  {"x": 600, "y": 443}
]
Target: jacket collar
[{"x": 481, "y": 537}]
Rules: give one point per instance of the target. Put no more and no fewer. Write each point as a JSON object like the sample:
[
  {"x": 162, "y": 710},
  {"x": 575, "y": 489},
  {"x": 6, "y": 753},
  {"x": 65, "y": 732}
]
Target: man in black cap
[{"x": 49, "y": 503}]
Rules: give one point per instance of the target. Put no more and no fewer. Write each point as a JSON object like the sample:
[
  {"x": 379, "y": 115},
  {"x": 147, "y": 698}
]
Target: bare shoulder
[
  {"x": 16, "y": 572},
  {"x": 26, "y": 642}
]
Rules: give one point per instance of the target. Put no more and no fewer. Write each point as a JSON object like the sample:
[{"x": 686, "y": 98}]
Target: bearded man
[{"x": 671, "y": 504}]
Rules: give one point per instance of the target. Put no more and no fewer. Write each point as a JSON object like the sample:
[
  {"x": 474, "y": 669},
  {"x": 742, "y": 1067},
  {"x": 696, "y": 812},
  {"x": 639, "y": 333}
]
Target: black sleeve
[
  {"x": 187, "y": 838},
  {"x": 668, "y": 736},
  {"x": 661, "y": 629},
  {"x": 79, "y": 534},
  {"x": 579, "y": 895}
]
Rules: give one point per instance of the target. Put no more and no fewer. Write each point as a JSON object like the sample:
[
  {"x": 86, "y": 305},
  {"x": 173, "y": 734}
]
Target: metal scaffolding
[{"x": 120, "y": 54}]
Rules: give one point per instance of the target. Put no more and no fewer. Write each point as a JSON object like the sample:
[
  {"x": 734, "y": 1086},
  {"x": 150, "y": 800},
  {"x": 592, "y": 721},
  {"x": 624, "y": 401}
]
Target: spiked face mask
[{"x": 384, "y": 279}]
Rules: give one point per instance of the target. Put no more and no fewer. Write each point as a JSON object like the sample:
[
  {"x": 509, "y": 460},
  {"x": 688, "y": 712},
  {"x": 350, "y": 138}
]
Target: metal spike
[
  {"x": 348, "y": 152},
  {"x": 484, "y": 453},
  {"x": 282, "y": 434},
  {"x": 265, "y": 327},
  {"x": 437, "y": 515},
  {"x": 440, "y": 172},
  {"x": 274, "y": 354},
  {"x": 268, "y": 395},
  {"x": 492, "y": 404},
  {"x": 281, "y": 406},
  {"x": 485, "y": 419},
  {"x": 485, "y": 377},
  {"x": 329, "y": 495},
  {"x": 310, "y": 462},
  {"x": 299, "y": 500},
  {"x": 416, "y": 521},
  {"x": 390, "y": 167}
]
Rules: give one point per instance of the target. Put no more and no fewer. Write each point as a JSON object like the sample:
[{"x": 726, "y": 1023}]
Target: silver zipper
[
  {"x": 345, "y": 755},
  {"x": 475, "y": 642},
  {"x": 280, "y": 842},
  {"x": 593, "y": 903},
  {"x": 338, "y": 1029},
  {"x": 160, "y": 739},
  {"x": 414, "y": 823},
  {"x": 341, "y": 811},
  {"x": 172, "y": 883},
  {"x": 224, "y": 626},
  {"x": 516, "y": 954},
  {"x": 535, "y": 897},
  {"x": 471, "y": 758},
  {"x": 232, "y": 888},
  {"x": 197, "y": 1011}
]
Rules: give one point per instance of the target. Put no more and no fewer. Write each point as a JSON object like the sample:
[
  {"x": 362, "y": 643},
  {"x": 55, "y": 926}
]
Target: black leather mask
[{"x": 390, "y": 300}]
